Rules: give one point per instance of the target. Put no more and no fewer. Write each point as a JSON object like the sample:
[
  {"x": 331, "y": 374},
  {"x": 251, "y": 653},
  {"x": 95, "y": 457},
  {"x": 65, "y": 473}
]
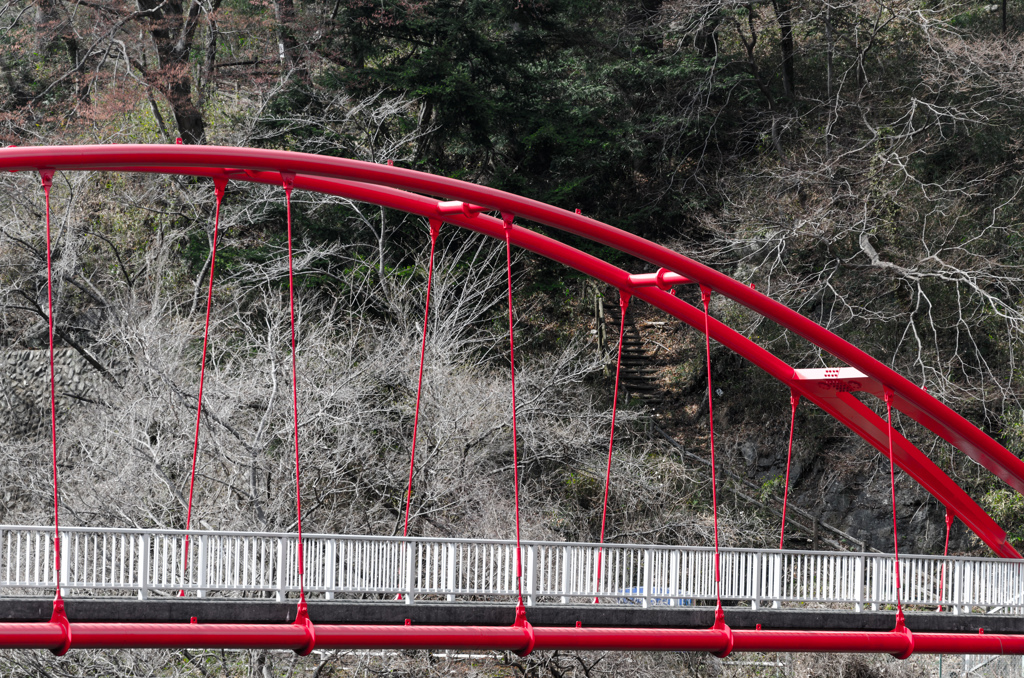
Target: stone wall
[{"x": 25, "y": 388}]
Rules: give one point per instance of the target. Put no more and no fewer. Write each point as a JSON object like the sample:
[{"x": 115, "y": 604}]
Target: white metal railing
[{"x": 145, "y": 562}]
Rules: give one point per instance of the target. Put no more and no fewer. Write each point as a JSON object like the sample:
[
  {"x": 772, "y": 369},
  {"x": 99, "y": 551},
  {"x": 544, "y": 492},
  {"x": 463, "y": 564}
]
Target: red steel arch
[
  {"x": 417, "y": 193},
  {"x": 462, "y": 204}
]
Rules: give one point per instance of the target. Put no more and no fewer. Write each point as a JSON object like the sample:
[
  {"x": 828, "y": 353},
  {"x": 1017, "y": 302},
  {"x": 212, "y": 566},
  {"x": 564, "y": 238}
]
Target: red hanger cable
[
  {"x": 47, "y": 179},
  {"x": 508, "y": 219},
  {"x": 218, "y": 190},
  {"x": 945, "y": 552},
  {"x": 288, "y": 180},
  {"x": 59, "y": 616},
  {"x": 705, "y": 297},
  {"x": 794, "y": 400},
  {"x": 892, "y": 485},
  {"x": 435, "y": 229},
  {"x": 624, "y": 298}
]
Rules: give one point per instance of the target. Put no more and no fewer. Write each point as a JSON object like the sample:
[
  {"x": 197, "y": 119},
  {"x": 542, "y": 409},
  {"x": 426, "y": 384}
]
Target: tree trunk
[
  {"x": 287, "y": 47},
  {"x": 189, "y": 119},
  {"x": 706, "y": 39},
  {"x": 205, "y": 83},
  {"x": 173, "y": 32},
  {"x": 783, "y": 13},
  {"x": 52, "y": 26}
]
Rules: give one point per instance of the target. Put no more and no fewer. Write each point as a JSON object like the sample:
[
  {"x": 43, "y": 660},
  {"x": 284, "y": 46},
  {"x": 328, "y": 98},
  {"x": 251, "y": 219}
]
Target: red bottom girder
[{"x": 517, "y": 638}]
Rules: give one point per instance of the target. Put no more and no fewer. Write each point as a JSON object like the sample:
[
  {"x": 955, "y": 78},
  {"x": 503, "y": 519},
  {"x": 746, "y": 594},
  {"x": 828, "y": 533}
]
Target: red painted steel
[
  {"x": 705, "y": 299},
  {"x": 47, "y": 179},
  {"x": 623, "y": 307},
  {"x": 507, "y": 222},
  {"x": 840, "y": 404},
  {"x": 945, "y": 552},
  {"x": 435, "y": 230},
  {"x": 895, "y": 532},
  {"x": 794, "y": 400},
  {"x": 846, "y": 408},
  {"x": 302, "y": 621},
  {"x": 388, "y": 186},
  {"x": 519, "y": 639},
  {"x": 664, "y": 279},
  {"x": 288, "y": 182},
  {"x": 31, "y": 635},
  {"x": 219, "y": 186},
  {"x": 248, "y": 163},
  {"x": 58, "y": 617}
]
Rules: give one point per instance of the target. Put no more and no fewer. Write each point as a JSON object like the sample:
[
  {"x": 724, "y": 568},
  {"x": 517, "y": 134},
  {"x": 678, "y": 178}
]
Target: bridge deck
[{"x": 31, "y": 609}]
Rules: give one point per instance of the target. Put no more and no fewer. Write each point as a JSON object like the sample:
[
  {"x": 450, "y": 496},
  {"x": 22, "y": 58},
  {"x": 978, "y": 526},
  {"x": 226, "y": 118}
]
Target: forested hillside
[{"x": 858, "y": 161}]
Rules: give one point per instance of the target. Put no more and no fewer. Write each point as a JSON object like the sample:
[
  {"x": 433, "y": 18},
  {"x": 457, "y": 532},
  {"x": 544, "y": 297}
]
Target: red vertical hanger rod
[
  {"x": 507, "y": 220},
  {"x": 705, "y": 297},
  {"x": 219, "y": 184},
  {"x": 624, "y": 298},
  {"x": 435, "y": 229},
  {"x": 59, "y": 616},
  {"x": 794, "y": 400},
  {"x": 302, "y": 613}
]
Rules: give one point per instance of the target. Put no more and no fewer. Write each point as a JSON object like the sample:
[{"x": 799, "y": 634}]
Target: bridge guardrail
[{"x": 119, "y": 561}]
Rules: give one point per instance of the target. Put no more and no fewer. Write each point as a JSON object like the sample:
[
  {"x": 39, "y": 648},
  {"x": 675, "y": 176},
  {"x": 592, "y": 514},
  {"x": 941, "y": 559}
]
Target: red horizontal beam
[{"x": 519, "y": 639}]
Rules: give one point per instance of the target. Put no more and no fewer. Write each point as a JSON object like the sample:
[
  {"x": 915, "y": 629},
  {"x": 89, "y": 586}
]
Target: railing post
[
  {"x": 673, "y": 586},
  {"x": 961, "y": 583},
  {"x": 876, "y": 583},
  {"x": 566, "y": 564},
  {"x": 531, "y": 573},
  {"x": 65, "y": 565},
  {"x": 410, "y": 578},
  {"x": 281, "y": 575},
  {"x": 144, "y": 567},
  {"x": 755, "y": 586},
  {"x": 330, "y": 555},
  {"x": 954, "y": 583},
  {"x": 34, "y": 577},
  {"x": 648, "y": 564},
  {"x": 972, "y": 583},
  {"x": 201, "y": 564},
  {"x": 858, "y": 581},
  {"x": 780, "y": 559},
  {"x": 450, "y": 585}
]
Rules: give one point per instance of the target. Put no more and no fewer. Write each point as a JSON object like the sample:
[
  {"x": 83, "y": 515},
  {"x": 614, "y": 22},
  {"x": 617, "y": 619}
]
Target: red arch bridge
[{"x": 173, "y": 589}]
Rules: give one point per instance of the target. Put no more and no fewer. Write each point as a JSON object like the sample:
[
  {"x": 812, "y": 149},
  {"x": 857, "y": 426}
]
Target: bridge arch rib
[{"x": 411, "y": 191}]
